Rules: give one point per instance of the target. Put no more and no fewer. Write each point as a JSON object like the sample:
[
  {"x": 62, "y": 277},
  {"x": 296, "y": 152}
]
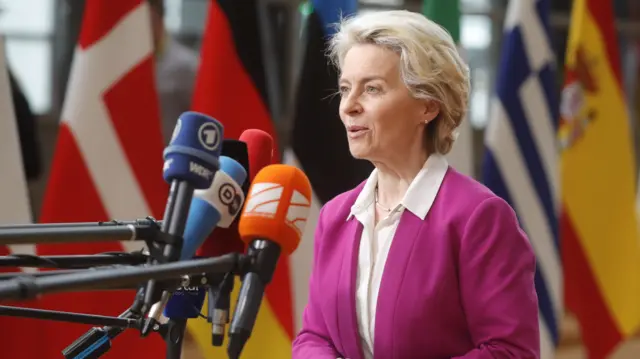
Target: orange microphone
[{"x": 272, "y": 221}]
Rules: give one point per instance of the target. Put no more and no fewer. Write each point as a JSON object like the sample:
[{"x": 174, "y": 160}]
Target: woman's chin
[{"x": 358, "y": 152}]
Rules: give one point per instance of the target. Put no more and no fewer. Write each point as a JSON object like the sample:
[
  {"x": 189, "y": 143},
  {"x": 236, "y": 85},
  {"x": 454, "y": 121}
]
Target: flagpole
[{"x": 279, "y": 23}]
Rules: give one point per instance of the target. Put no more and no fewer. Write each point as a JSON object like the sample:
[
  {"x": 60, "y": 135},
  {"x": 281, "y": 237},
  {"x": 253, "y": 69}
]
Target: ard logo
[
  {"x": 265, "y": 198},
  {"x": 576, "y": 113},
  {"x": 209, "y": 136}
]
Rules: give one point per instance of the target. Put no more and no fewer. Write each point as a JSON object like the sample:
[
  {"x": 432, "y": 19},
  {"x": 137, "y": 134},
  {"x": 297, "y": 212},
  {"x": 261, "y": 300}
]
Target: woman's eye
[
  {"x": 344, "y": 89},
  {"x": 372, "y": 89}
]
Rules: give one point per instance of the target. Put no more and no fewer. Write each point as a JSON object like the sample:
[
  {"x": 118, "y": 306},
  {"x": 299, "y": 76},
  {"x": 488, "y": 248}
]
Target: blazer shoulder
[{"x": 466, "y": 193}]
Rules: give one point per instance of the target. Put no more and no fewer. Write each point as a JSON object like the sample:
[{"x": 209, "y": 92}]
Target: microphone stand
[
  {"x": 147, "y": 230},
  {"x": 113, "y": 222},
  {"x": 97, "y": 341},
  {"x": 202, "y": 279},
  {"x": 28, "y": 287},
  {"x": 68, "y": 317},
  {"x": 73, "y": 261},
  {"x": 174, "y": 335},
  {"x": 218, "y": 305},
  {"x": 18, "y": 275}
]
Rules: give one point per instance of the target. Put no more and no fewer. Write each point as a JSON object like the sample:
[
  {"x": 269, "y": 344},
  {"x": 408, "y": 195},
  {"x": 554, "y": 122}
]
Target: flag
[
  {"x": 107, "y": 162},
  {"x": 14, "y": 209},
  {"x": 447, "y": 14},
  {"x": 520, "y": 163},
  {"x": 598, "y": 224},
  {"x": 319, "y": 144},
  {"x": 231, "y": 87},
  {"x": 319, "y": 141}
]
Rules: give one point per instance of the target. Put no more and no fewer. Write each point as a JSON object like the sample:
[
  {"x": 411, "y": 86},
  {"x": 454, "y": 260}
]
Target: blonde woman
[{"x": 418, "y": 261}]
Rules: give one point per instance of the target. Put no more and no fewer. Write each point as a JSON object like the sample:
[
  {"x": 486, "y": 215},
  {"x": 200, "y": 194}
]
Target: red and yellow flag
[{"x": 598, "y": 229}]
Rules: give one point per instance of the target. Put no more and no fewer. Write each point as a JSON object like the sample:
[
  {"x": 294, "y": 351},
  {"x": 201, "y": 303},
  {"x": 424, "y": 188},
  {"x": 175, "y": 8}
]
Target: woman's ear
[{"x": 431, "y": 111}]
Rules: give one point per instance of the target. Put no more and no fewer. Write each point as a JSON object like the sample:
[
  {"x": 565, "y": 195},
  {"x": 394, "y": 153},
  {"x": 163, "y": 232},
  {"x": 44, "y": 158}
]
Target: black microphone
[
  {"x": 191, "y": 160},
  {"x": 99, "y": 339},
  {"x": 272, "y": 222},
  {"x": 238, "y": 150},
  {"x": 223, "y": 241},
  {"x": 216, "y": 206}
]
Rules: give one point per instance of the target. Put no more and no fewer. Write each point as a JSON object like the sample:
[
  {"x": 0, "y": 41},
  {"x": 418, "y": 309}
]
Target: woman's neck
[{"x": 395, "y": 177}]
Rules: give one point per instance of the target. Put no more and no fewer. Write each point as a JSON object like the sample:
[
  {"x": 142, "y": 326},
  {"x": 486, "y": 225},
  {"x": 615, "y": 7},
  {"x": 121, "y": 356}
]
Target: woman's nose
[{"x": 351, "y": 105}]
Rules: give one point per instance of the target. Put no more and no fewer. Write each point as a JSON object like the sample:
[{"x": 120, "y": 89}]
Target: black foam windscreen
[
  {"x": 237, "y": 150},
  {"x": 227, "y": 240}
]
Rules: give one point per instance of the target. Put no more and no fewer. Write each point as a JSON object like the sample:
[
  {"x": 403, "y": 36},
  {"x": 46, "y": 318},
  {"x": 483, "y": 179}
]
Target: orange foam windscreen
[{"x": 277, "y": 207}]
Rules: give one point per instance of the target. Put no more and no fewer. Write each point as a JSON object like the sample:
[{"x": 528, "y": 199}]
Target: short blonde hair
[{"x": 431, "y": 66}]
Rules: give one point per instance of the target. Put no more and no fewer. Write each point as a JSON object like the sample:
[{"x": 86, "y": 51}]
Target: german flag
[
  {"x": 598, "y": 227},
  {"x": 319, "y": 144},
  {"x": 319, "y": 140},
  {"x": 231, "y": 83},
  {"x": 231, "y": 87}
]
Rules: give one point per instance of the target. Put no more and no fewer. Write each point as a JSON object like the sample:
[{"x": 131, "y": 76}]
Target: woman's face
[{"x": 383, "y": 120}]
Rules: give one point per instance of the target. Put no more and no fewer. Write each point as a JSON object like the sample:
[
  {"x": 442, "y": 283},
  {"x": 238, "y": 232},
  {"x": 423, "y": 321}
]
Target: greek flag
[{"x": 520, "y": 163}]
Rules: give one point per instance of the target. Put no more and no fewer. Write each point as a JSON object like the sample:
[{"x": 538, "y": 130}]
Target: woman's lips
[{"x": 356, "y": 131}]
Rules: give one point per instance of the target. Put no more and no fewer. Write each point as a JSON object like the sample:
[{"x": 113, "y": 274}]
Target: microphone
[
  {"x": 238, "y": 151},
  {"x": 216, "y": 206},
  {"x": 254, "y": 151},
  {"x": 191, "y": 160},
  {"x": 217, "y": 242},
  {"x": 260, "y": 150},
  {"x": 206, "y": 211},
  {"x": 258, "y": 154},
  {"x": 273, "y": 220}
]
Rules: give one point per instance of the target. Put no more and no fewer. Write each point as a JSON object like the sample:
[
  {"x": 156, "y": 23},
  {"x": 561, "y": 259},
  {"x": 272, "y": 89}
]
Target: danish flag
[{"x": 107, "y": 165}]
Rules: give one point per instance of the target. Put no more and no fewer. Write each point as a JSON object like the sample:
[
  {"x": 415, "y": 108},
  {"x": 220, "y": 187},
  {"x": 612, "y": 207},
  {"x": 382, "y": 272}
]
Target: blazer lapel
[
  {"x": 395, "y": 269},
  {"x": 351, "y": 346}
]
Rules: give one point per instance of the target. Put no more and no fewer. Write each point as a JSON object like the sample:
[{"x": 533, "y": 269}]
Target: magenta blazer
[{"x": 458, "y": 285}]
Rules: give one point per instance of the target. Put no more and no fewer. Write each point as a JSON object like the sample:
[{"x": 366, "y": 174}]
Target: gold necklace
[{"x": 378, "y": 203}]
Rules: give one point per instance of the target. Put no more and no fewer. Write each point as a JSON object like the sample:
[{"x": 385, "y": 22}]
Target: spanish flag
[{"x": 598, "y": 229}]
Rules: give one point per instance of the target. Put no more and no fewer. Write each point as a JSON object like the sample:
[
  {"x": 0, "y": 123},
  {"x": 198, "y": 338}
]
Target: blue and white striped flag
[{"x": 521, "y": 158}]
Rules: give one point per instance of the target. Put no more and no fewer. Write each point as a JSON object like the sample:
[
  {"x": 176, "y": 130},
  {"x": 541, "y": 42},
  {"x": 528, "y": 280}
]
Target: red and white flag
[{"x": 108, "y": 160}]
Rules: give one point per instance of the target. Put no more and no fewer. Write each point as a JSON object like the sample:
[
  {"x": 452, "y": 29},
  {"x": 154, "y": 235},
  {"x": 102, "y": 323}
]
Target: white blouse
[{"x": 376, "y": 240}]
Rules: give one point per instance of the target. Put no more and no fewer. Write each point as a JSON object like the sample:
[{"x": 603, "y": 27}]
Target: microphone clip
[
  {"x": 219, "y": 307},
  {"x": 156, "y": 241}
]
